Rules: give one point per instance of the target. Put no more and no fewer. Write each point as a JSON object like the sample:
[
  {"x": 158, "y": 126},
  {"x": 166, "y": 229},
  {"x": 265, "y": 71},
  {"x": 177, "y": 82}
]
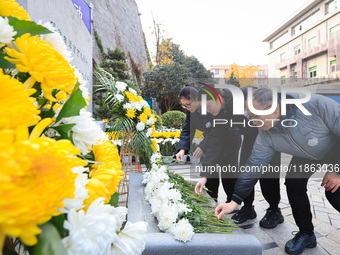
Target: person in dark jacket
[
  {"x": 312, "y": 139},
  {"x": 270, "y": 184},
  {"x": 213, "y": 154}
]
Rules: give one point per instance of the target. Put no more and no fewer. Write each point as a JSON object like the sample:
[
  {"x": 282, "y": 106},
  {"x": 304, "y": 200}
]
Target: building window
[
  {"x": 312, "y": 43},
  {"x": 331, "y": 6},
  {"x": 279, "y": 41},
  {"x": 334, "y": 31},
  {"x": 261, "y": 72},
  {"x": 312, "y": 72},
  {"x": 313, "y": 18},
  {"x": 226, "y": 70},
  {"x": 297, "y": 49},
  {"x": 217, "y": 71},
  {"x": 283, "y": 57},
  {"x": 283, "y": 80},
  {"x": 333, "y": 66}
]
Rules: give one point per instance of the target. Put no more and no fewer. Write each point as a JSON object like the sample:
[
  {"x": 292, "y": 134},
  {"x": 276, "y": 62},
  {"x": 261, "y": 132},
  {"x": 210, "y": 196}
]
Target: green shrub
[
  {"x": 158, "y": 123},
  {"x": 168, "y": 148},
  {"x": 173, "y": 119}
]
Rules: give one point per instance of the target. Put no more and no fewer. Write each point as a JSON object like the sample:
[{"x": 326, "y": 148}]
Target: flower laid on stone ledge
[
  {"x": 178, "y": 209},
  {"x": 59, "y": 172}
]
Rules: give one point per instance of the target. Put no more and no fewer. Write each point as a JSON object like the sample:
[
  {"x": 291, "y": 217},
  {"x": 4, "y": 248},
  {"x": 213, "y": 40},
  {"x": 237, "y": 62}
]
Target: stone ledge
[{"x": 158, "y": 242}]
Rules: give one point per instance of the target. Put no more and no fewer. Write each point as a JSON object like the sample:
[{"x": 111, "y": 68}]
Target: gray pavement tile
[
  {"x": 276, "y": 251},
  {"x": 324, "y": 229},
  {"x": 329, "y": 245},
  {"x": 335, "y": 236},
  {"x": 335, "y": 216},
  {"x": 322, "y": 216},
  {"x": 335, "y": 223},
  {"x": 324, "y": 209}
]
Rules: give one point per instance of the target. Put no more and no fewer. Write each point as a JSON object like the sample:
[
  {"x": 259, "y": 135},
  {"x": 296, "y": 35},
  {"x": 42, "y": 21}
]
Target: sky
[{"x": 218, "y": 32}]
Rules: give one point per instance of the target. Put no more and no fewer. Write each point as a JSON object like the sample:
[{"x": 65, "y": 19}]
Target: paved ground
[{"x": 325, "y": 218}]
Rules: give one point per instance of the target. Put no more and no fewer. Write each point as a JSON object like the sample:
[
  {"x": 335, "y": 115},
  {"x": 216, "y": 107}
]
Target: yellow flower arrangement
[
  {"x": 12, "y": 8},
  {"x": 154, "y": 145},
  {"x": 43, "y": 63},
  {"x": 175, "y": 134},
  {"x": 28, "y": 165},
  {"x": 130, "y": 113},
  {"x": 143, "y": 117},
  {"x": 105, "y": 177},
  {"x": 16, "y": 105},
  {"x": 147, "y": 111}
]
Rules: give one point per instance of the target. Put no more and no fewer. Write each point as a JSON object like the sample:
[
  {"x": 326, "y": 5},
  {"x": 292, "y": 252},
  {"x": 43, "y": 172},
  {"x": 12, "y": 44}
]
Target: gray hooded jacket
[{"x": 314, "y": 137}]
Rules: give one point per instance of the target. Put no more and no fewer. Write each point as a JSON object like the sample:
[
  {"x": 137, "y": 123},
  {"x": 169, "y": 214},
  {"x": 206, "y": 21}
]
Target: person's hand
[
  {"x": 200, "y": 184},
  {"x": 331, "y": 181},
  {"x": 225, "y": 208},
  {"x": 198, "y": 153},
  {"x": 180, "y": 155}
]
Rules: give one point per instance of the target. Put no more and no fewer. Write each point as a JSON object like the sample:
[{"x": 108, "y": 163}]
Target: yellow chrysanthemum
[
  {"x": 130, "y": 113},
  {"x": 154, "y": 145},
  {"x": 105, "y": 177},
  {"x": 12, "y": 8},
  {"x": 130, "y": 96},
  {"x": 16, "y": 105},
  {"x": 153, "y": 129},
  {"x": 143, "y": 118},
  {"x": 36, "y": 176},
  {"x": 147, "y": 111},
  {"x": 43, "y": 63},
  {"x": 138, "y": 98}
]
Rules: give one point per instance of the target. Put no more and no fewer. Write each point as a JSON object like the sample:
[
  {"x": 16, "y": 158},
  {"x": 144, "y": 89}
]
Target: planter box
[{"x": 158, "y": 243}]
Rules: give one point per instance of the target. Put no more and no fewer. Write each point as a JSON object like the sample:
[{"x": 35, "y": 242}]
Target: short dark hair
[{"x": 189, "y": 92}]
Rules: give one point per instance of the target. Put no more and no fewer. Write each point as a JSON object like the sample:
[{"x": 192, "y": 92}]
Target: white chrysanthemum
[
  {"x": 144, "y": 103},
  {"x": 6, "y": 31},
  {"x": 156, "y": 205},
  {"x": 183, "y": 230},
  {"x": 119, "y": 97},
  {"x": 121, "y": 86},
  {"x": 140, "y": 126},
  {"x": 86, "y": 132},
  {"x": 167, "y": 217},
  {"x": 55, "y": 40},
  {"x": 150, "y": 121},
  {"x": 127, "y": 106},
  {"x": 155, "y": 158},
  {"x": 133, "y": 91},
  {"x": 81, "y": 193},
  {"x": 149, "y": 132},
  {"x": 93, "y": 232},
  {"x": 183, "y": 208},
  {"x": 137, "y": 105},
  {"x": 174, "y": 195},
  {"x": 131, "y": 240},
  {"x": 82, "y": 83}
]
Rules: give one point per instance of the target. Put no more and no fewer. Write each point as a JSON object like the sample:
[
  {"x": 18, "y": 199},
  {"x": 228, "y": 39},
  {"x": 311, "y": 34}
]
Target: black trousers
[
  {"x": 297, "y": 193},
  {"x": 270, "y": 183},
  {"x": 228, "y": 186}
]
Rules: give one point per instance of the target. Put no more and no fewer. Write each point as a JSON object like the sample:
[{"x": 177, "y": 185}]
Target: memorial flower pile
[
  {"x": 59, "y": 172},
  {"x": 178, "y": 209}
]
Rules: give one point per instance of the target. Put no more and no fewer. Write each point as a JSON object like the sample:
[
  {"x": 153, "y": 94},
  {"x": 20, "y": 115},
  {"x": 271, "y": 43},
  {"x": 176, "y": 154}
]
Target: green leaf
[
  {"x": 73, "y": 104},
  {"x": 114, "y": 199},
  {"x": 58, "y": 222},
  {"x": 64, "y": 129},
  {"x": 4, "y": 63},
  {"x": 49, "y": 241},
  {"x": 23, "y": 26}
]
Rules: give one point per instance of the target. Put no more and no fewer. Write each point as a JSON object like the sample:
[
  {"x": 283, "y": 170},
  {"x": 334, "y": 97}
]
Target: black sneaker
[
  {"x": 272, "y": 218},
  {"x": 301, "y": 241},
  {"x": 246, "y": 213}
]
